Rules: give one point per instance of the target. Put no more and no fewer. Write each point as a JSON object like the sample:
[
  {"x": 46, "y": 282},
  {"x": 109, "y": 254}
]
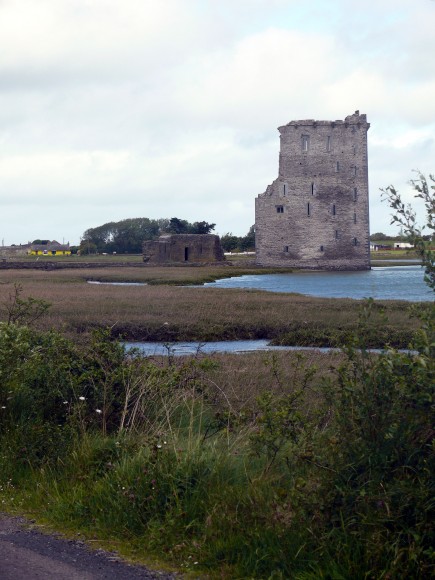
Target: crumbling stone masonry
[
  {"x": 315, "y": 215},
  {"x": 183, "y": 248}
]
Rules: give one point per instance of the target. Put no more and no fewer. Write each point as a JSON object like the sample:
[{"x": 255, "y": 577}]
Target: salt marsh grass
[{"x": 172, "y": 313}]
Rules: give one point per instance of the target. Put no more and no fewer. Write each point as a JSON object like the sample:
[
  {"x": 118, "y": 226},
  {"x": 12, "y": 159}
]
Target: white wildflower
[
  {"x": 82, "y": 399},
  {"x": 99, "y": 411}
]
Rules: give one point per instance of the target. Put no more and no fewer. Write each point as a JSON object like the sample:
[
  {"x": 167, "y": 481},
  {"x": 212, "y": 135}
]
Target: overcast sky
[{"x": 113, "y": 109}]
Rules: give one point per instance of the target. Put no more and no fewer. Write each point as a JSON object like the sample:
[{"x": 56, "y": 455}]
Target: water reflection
[{"x": 382, "y": 283}]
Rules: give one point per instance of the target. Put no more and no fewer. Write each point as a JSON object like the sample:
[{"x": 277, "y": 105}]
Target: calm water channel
[
  {"x": 389, "y": 283},
  {"x": 192, "y": 348},
  {"x": 398, "y": 283},
  {"x": 218, "y": 346}
]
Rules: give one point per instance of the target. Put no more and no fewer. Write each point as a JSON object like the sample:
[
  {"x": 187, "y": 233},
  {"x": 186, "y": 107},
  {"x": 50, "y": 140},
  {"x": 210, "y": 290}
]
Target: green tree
[
  {"x": 123, "y": 236},
  {"x": 202, "y": 228},
  {"x": 379, "y": 236},
  {"x": 129, "y": 234},
  {"x": 100, "y": 237},
  {"x": 87, "y": 248},
  {"x": 229, "y": 242},
  {"x": 248, "y": 241},
  {"x": 232, "y": 243},
  {"x": 177, "y": 226}
]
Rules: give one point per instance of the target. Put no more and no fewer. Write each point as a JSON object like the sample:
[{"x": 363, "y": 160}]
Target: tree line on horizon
[
  {"x": 128, "y": 235},
  {"x": 381, "y": 237}
]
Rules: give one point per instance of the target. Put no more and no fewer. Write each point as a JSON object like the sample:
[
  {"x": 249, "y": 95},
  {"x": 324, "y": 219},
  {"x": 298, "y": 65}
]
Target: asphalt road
[{"x": 28, "y": 554}]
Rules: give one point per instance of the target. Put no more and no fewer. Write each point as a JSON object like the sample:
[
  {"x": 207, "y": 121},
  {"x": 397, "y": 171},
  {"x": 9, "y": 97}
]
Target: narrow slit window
[
  {"x": 308, "y": 209},
  {"x": 354, "y": 149},
  {"x": 286, "y": 249},
  {"x": 334, "y": 210},
  {"x": 279, "y": 209},
  {"x": 337, "y": 167},
  {"x": 328, "y": 143},
  {"x": 337, "y": 235},
  {"x": 355, "y": 241},
  {"x": 355, "y": 170},
  {"x": 305, "y": 142},
  {"x": 354, "y": 217},
  {"x": 321, "y": 248},
  {"x": 283, "y": 189},
  {"x": 312, "y": 188},
  {"x": 355, "y": 194}
]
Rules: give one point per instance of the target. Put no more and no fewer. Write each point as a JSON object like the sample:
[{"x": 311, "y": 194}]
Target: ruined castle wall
[
  {"x": 316, "y": 213},
  {"x": 183, "y": 248}
]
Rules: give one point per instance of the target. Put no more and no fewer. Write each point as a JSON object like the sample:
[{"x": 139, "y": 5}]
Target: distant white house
[
  {"x": 395, "y": 246},
  {"x": 402, "y": 246}
]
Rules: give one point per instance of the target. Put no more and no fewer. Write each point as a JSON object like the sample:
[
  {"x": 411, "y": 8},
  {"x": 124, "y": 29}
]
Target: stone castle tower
[{"x": 315, "y": 215}]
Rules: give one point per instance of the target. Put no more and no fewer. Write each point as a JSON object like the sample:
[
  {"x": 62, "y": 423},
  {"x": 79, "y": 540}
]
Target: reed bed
[
  {"x": 239, "y": 379},
  {"x": 172, "y": 313}
]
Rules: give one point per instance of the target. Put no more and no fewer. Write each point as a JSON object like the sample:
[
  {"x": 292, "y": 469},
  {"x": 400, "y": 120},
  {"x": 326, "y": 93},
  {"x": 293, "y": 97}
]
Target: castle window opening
[
  {"x": 355, "y": 242},
  {"x": 285, "y": 248},
  {"x": 308, "y": 209},
  {"x": 321, "y": 248},
  {"x": 337, "y": 167},
  {"x": 337, "y": 235},
  {"x": 328, "y": 143},
  {"x": 334, "y": 209},
  {"x": 355, "y": 170},
  {"x": 279, "y": 209},
  {"x": 355, "y": 194},
  {"x": 305, "y": 142},
  {"x": 283, "y": 189},
  {"x": 186, "y": 254},
  {"x": 312, "y": 188},
  {"x": 354, "y": 217}
]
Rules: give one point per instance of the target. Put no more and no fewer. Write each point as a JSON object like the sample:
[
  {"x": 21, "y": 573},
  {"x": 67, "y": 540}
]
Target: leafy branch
[
  {"x": 405, "y": 216},
  {"x": 23, "y": 311}
]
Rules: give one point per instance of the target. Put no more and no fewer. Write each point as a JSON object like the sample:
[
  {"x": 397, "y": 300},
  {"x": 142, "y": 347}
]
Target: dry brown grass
[
  {"x": 240, "y": 379},
  {"x": 162, "y": 312}
]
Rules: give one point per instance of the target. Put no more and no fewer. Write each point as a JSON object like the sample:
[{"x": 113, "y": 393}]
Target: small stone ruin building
[
  {"x": 315, "y": 215},
  {"x": 183, "y": 248}
]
